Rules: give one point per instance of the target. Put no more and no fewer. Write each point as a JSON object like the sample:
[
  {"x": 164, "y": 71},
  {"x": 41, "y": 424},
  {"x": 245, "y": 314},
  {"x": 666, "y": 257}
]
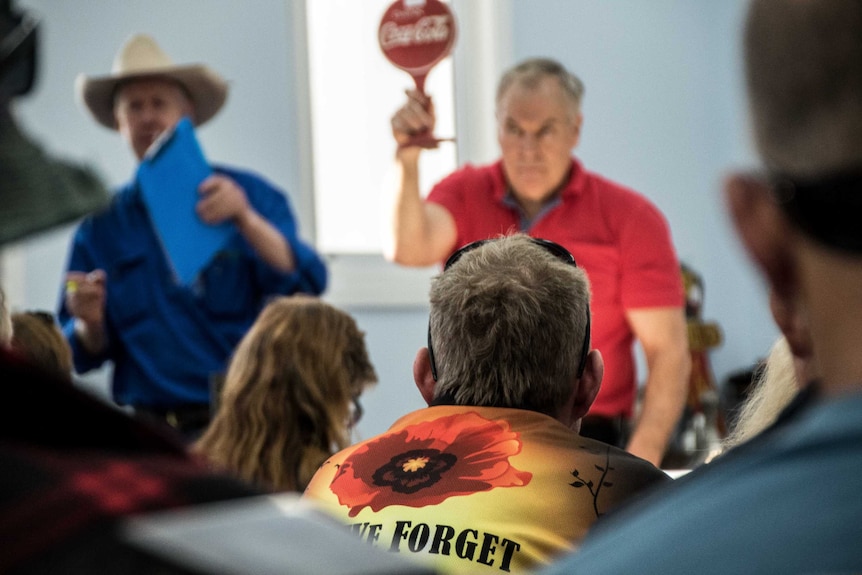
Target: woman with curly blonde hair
[{"x": 286, "y": 404}]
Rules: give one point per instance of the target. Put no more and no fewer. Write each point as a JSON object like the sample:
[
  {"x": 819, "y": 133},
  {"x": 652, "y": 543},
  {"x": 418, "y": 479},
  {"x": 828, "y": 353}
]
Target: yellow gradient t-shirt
[{"x": 477, "y": 489}]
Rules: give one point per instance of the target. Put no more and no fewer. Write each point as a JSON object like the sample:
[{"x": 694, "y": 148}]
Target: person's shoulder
[
  {"x": 621, "y": 204},
  {"x": 121, "y": 202},
  {"x": 818, "y": 424},
  {"x": 625, "y": 462},
  {"x": 613, "y": 191},
  {"x": 615, "y": 462},
  {"x": 319, "y": 485}
]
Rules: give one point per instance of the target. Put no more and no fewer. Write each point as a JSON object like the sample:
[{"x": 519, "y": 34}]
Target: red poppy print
[{"x": 427, "y": 463}]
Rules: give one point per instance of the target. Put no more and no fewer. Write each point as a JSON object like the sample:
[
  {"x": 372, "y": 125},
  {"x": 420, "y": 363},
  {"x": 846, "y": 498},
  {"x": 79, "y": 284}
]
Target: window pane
[{"x": 354, "y": 92}]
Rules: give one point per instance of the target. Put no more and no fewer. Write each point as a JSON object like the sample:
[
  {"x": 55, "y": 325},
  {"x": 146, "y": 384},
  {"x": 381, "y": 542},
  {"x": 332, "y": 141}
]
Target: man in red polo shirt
[{"x": 618, "y": 236}]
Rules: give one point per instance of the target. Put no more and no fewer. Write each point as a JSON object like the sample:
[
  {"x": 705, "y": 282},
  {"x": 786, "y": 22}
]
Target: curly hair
[{"x": 285, "y": 404}]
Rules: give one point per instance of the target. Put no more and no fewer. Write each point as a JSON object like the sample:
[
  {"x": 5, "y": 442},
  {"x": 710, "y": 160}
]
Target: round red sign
[{"x": 416, "y": 34}]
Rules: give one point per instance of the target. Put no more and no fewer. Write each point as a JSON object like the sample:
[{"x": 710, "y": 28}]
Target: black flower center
[{"x": 414, "y": 470}]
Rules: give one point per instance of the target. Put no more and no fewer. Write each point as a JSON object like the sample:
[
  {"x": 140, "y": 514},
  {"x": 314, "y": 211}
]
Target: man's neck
[
  {"x": 833, "y": 290},
  {"x": 532, "y": 208}
]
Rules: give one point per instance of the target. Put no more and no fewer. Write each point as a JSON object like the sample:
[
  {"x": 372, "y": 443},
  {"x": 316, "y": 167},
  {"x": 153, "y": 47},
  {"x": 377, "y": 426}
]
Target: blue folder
[{"x": 169, "y": 176}]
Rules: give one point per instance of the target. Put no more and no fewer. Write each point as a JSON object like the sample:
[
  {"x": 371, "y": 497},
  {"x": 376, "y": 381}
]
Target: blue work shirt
[{"x": 167, "y": 340}]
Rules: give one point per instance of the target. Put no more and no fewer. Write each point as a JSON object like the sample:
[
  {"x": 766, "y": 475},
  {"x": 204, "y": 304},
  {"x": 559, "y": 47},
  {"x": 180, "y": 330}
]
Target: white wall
[{"x": 663, "y": 113}]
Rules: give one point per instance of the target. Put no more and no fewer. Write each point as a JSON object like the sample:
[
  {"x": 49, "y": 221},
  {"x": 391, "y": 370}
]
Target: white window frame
[{"x": 483, "y": 49}]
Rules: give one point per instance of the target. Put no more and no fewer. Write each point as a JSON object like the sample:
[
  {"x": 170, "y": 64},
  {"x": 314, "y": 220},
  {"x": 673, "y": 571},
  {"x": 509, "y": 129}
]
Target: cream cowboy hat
[{"x": 141, "y": 57}]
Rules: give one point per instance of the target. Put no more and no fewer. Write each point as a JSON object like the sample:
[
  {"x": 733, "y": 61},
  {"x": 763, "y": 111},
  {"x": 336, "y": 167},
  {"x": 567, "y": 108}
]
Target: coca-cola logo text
[{"x": 426, "y": 30}]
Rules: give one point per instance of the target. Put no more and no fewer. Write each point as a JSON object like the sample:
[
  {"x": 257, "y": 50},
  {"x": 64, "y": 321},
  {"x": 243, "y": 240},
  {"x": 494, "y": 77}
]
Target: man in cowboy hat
[{"x": 169, "y": 342}]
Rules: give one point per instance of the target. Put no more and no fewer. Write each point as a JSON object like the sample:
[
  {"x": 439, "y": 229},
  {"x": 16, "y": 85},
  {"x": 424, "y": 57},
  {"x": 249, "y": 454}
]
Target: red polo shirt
[{"x": 618, "y": 236}]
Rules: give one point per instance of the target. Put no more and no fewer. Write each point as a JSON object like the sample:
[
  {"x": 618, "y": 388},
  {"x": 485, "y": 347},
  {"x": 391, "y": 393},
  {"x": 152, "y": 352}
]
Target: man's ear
[
  {"x": 587, "y": 387},
  {"x": 577, "y": 124},
  {"x": 422, "y": 375},
  {"x": 763, "y": 230}
]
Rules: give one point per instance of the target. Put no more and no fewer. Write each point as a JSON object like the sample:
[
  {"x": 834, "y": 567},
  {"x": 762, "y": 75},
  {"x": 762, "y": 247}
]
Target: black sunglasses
[{"x": 554, "y": 249}]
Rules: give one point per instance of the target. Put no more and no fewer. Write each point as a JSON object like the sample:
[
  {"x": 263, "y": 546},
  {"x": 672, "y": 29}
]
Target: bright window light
[{"x": 354, "y": 92}]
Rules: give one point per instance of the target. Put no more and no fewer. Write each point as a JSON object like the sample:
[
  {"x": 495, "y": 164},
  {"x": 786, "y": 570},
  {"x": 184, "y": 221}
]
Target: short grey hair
[
  {"x": 508, "y": 321},
  {"x": 804, "y": 74},
  {"x": 530, "y": 72}
]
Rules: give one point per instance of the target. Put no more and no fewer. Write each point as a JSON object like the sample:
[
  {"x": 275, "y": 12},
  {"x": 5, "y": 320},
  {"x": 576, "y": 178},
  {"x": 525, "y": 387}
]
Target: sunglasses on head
[{"x": 555, "y": 250}]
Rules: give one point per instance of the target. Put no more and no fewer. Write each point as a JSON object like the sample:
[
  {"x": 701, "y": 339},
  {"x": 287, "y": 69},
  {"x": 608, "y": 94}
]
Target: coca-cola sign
[
  {"x": 426, "y": 30},
  {"x": 416, "y": 35}
]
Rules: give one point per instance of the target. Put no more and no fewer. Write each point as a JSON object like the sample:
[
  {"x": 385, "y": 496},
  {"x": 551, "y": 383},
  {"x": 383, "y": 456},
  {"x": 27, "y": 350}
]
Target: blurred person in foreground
[
  {"x": 787, "y": 501},
  {"x": 291, "y": 395},
  {"x": 121, "y": 302},
  {"x": 618, "y": 236},
  {"x": 492, "y": 475}
]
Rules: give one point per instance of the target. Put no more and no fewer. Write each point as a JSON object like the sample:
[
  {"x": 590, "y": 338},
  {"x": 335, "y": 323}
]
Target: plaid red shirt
[{"x": 72, "y": 468}]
